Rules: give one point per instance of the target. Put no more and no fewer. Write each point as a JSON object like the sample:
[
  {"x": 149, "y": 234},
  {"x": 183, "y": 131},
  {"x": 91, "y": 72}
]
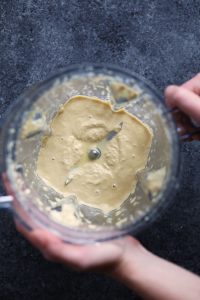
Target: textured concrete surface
[{"x": 158, "y": 39}]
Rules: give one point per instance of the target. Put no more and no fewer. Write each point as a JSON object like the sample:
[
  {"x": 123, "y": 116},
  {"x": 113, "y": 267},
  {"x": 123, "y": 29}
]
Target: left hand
[
  {"x": 125, "y": 260},
  {"x": 103, "y": 257}
]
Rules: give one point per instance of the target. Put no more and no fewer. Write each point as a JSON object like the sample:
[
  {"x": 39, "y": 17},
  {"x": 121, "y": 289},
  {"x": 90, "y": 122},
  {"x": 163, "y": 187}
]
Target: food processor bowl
[{"x": 32, "y": 200}]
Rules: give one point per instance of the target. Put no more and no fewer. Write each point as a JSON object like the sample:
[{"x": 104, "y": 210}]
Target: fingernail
[{"x": 171, "y": 89}]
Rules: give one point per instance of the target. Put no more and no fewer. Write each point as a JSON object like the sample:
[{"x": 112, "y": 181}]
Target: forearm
[{"x": 154, "y": 278}]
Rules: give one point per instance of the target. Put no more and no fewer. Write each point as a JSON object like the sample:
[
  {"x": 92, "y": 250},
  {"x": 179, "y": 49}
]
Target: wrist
[
  {"x": 153, "y": 277},
  {"x": 127, "y": 269}
]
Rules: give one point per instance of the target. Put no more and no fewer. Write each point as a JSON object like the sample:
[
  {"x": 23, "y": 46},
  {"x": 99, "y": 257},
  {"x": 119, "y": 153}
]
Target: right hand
[{"x": 187, "y": 99}]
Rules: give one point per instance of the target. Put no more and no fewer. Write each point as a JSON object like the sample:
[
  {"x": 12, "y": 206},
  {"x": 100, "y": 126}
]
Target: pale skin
[{"x": 127, "y": 260}]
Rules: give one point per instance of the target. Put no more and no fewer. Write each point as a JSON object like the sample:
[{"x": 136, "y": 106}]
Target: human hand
[
  {"x": 187, "y": 99},
  {"x": 104, "y": 257},
  {"x": 125, "y": 260}
]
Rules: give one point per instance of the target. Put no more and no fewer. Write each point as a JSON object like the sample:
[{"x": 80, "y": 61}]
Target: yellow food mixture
[{"x": 85, "y": 124}]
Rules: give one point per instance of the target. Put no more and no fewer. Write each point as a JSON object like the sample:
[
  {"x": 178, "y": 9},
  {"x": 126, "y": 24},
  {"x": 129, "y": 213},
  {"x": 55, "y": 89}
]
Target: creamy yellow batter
[{"x": 82, "y": 124}]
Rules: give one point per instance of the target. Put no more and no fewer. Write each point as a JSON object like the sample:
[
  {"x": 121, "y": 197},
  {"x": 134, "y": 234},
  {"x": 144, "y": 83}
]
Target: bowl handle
[
  {"x": 6, "y": 201},
  {"x": 187, "y": 128}
]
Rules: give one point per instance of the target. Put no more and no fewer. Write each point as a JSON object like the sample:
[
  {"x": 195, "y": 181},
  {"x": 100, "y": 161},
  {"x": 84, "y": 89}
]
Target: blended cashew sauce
[{"x": 83, "y": 124}]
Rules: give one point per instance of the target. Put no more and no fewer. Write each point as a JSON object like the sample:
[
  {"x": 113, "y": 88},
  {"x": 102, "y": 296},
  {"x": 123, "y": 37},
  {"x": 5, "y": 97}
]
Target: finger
[
  {"x": 78, "y": 257},
  {"x": 103, "y": 256},
  {"x": 39, "y": 238},
  {"x": 7, "y": 183},
  {"x": 193, "y": 84},
  {"x": 84, "y": 257},
  {"x": 185, "y": 100}
]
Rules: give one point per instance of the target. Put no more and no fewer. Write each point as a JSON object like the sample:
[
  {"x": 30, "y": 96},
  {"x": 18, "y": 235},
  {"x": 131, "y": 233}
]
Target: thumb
[{"x": 185, "y": 100}]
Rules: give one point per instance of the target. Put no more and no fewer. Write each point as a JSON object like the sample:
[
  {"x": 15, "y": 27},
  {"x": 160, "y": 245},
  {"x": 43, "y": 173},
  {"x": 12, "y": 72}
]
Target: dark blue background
[{"x": 158, "y": 39}]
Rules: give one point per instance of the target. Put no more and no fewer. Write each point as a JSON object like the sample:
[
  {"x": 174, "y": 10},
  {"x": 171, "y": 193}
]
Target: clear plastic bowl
[{"x": 30, "y": 202}]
